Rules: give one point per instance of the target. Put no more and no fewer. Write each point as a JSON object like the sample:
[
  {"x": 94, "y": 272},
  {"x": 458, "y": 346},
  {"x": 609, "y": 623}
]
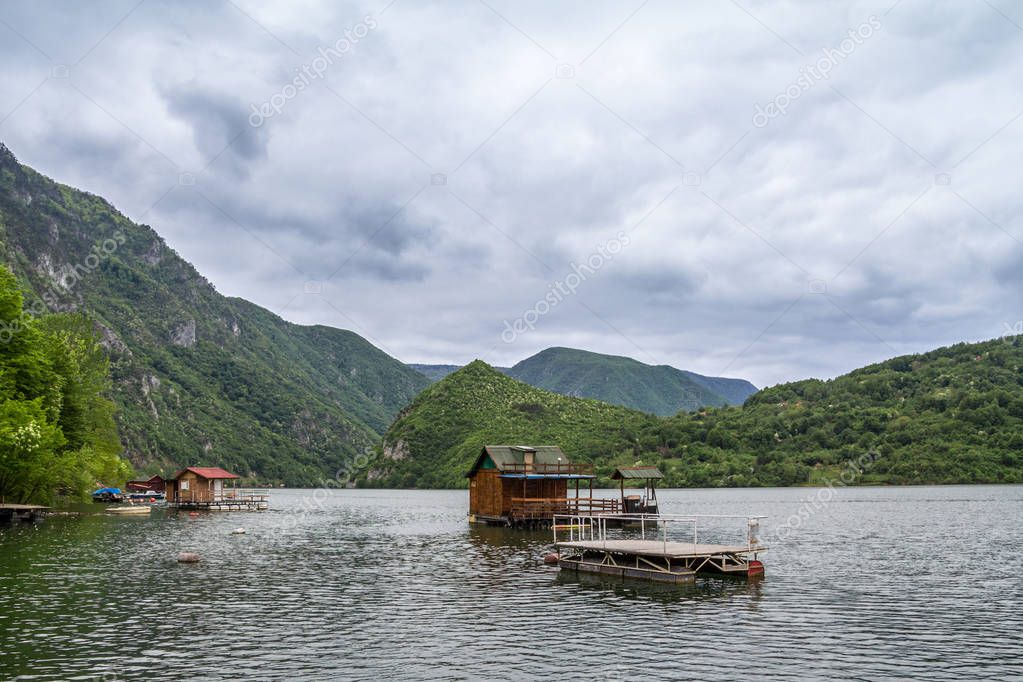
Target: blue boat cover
[{"x": 112, "y": 491}]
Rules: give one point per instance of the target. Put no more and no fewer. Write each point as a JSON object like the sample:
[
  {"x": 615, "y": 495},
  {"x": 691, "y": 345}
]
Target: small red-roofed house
[{"x": 198, "y": 484}]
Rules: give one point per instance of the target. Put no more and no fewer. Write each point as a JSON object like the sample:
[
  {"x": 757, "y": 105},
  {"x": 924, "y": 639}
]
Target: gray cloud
[
  {"x": 219, "y": 123},
  {"x": 857, "y": 225}
]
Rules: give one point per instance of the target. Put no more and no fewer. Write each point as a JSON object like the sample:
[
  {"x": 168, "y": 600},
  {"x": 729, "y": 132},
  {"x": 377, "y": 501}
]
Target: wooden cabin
[
  {"x": 647, "y": 476},
  {"x": 208, "y": 488},
  {"x": 525, "y": 485}
]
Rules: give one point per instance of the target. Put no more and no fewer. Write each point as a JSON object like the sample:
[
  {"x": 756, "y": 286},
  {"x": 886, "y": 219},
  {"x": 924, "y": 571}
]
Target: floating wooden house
[
  {"x": 207, "y": 488},
  {"x": 525, "y": 485},
  {"x": 638, "y": 475}
]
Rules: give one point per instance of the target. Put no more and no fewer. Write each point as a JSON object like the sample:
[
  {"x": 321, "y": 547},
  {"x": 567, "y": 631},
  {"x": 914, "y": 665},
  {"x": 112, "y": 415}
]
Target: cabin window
[{"x": 184, "y": 485}]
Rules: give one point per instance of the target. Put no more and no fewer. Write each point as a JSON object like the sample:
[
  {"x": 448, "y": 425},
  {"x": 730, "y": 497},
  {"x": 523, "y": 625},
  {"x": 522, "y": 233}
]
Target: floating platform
[
  {"x": 229, "y": 499},
  {"x": 588, "y": 548},
  {"x": 25, "y": 512}
]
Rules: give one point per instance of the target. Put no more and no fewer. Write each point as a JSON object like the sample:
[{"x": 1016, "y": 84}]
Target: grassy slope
[
  {"x": 953, "y": 415},
  {"x": 658, "y": 389},
  {"x": 257, "y": 394},
  {"x": 447, "y": 424}
]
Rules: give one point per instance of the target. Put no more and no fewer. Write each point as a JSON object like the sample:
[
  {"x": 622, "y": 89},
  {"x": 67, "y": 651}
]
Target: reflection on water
[{"x": 880, "y": 582}]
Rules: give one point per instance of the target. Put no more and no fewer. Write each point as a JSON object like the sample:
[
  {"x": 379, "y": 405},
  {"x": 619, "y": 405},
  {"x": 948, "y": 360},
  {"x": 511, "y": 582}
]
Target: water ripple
[{"x": 881, "y": 583}]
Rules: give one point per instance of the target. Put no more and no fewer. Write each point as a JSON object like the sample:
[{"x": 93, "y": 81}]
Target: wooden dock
[
  {"x": 226, "y": 499},
  {"x": 661, "y": 557},
  {"x": 25, "y": 512}
]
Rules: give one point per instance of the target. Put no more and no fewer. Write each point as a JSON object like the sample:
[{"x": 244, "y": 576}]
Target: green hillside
[
  {"x": 619, "y": 380},
  {"x": 953, "y": 415},
  {"x": 198, "y": 377},
  {"x": 435, "y": 439}
]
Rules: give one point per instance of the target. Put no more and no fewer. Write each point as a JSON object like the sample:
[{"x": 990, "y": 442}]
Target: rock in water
[
  {"x": 188, "y": 558},
  {"x": 551, "y": 558}
]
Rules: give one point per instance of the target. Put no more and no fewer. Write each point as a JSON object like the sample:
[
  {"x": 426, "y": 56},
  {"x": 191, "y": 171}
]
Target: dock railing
[
  {"x": 239, "y": 495},
  {"x": 548, "y": 468},
  {"x": 548, "y": 507},
  {"x": 594, "y": 527}
]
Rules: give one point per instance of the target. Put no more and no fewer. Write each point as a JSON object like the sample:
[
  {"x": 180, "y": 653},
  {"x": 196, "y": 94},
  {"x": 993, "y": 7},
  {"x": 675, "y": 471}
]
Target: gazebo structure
[{"x": 638, "y": 504}]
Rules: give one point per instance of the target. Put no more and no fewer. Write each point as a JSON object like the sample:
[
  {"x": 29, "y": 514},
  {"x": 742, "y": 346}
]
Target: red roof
[{"x": 207, "y": 472}]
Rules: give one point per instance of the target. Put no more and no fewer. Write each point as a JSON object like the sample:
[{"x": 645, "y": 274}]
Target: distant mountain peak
[{"x": 617, "y": 379}]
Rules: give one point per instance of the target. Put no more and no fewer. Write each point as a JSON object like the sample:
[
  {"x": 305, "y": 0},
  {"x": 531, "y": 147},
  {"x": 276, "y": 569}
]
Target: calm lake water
[{"x": 871, "y": 583}]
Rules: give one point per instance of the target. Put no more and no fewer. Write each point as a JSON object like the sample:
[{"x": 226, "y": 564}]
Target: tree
[{"x": 57, "y": 429}]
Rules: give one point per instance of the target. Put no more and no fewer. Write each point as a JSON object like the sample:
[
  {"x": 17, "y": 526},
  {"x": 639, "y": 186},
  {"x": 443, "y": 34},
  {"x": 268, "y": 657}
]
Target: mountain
[
  {"x": 952, "y": 415},
  {"x": 734, "y": 391},
  {"x": 199, "y": 378},
  {"x": 434, "y": 372},
  {"x": 660, "y": 389},
  {"x": 433, "y": 441}
]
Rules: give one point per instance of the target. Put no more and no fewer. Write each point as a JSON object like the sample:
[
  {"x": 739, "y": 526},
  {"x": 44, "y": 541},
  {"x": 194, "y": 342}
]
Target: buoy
[
  {"x": 188, "y": 558},
  {"x": 552, "y": 558},
  {"x": 238, "y": 531}
]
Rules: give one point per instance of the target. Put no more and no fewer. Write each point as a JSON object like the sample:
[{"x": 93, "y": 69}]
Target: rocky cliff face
[{"x": 199, "y": 377}]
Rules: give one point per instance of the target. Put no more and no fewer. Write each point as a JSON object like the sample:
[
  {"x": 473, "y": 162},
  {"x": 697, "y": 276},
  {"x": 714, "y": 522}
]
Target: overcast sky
[{"x": 736, "y": 188}]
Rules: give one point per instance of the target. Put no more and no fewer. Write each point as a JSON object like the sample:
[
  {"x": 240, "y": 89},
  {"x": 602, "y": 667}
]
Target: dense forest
[
  {"x": 57, "y": 429},
  {"x": 953, "y": 415}
]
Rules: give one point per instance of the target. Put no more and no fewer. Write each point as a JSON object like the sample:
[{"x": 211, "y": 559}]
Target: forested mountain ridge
[
  {"x": 952, "y": 415},
  {"x": 657, "y": 389},
  {"x": 197, "y": 377}
]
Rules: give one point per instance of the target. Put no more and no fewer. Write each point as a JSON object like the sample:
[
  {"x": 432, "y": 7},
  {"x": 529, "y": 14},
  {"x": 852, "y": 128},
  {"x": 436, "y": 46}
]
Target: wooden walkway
[
  {"x": 673, "y": 550},
  {"x": 26, "y": 512},
  {"x": 589, "y": 548}
]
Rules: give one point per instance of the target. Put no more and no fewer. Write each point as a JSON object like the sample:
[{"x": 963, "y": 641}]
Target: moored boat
[
  {"x": 108, "y": 495},
  {"x": 132, "y": 509}
]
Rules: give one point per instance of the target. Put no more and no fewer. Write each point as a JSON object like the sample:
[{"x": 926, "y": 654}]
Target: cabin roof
[
  {"x": 207, "y": 472},
  {"x": 157, "y": 478},
  {"x": 504, "y": 455},
  {"x": 636, "y": 472}
]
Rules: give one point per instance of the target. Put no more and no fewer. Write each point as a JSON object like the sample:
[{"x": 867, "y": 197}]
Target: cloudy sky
[{"x": 769, "y": 190}]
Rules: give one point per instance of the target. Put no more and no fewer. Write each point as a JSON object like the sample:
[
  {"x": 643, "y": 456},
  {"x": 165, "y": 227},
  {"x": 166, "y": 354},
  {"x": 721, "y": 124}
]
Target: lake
[{"x": 867, "y": 583}]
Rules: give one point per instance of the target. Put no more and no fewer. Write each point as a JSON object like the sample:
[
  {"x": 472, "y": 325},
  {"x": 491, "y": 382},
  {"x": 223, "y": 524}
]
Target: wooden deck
[
  {"x": 671, "y": 550},
  {"x": 26, "y": 512},
  {"x": 546, "y": 508},
  {"x": 229, "y": 499},
  {"x": 660, "y": 555}
]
